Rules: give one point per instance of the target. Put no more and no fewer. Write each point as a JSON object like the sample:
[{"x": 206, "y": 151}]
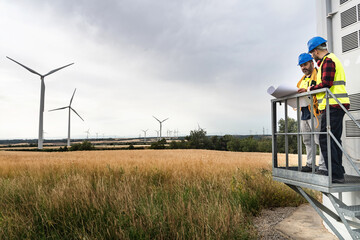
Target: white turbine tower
[
  {"x": 161, "y": 124},
  {"x": 42, "y": 97},
  {"x": 70, "y": 108},
  {"x": 157, "y": 134},
  {"x": 87, "y": 133},
  {"x": 145, "y": 134}
]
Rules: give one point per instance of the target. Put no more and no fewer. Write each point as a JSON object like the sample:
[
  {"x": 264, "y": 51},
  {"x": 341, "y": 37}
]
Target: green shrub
[
  {"x": 85, "y": 145},
  {"x": 159, "y": 144}
]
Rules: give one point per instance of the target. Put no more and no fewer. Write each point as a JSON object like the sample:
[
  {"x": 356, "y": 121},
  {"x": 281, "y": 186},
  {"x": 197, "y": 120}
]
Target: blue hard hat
[
  {"x": 304, "y": 57},
  {"x": 314, "y": 42}
]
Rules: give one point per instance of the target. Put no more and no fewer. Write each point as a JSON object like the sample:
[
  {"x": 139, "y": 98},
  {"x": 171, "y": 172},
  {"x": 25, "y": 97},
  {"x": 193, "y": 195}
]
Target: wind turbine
[
  {"x": 200, "y": 128},
  {"x": 170, "y": 133},
  {"x": 70, "y": 108},
  {"x": 145, "y": 134},
  {"x": 87, "y": 133},
  {"x": 42, "y": 97},
  {"x": 161, "y": 124},
  {"x": 157, "y": 134}
]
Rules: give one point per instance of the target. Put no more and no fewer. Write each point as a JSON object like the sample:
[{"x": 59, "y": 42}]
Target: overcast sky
[{"x": 196, "y": 62}]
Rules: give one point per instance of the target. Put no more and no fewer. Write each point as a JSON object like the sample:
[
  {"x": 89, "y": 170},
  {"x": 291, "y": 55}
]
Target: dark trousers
[{"x": 336, "y": 126}]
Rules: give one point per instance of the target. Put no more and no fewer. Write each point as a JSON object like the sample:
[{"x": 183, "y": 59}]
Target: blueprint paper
[
  {"x": 286, "y": 90},
  {"x": 282, "y": 91}
]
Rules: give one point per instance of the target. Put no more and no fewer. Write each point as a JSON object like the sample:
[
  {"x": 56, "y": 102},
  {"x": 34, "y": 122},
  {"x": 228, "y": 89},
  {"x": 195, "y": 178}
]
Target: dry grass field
[{"x": 138, "y": 194}]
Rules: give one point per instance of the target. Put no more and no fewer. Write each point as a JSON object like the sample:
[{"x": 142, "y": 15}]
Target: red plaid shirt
[{"x": 327, "y": 77}]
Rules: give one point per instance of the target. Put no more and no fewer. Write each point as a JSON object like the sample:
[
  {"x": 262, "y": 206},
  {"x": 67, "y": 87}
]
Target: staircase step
[{"x": 351, "y": 211}]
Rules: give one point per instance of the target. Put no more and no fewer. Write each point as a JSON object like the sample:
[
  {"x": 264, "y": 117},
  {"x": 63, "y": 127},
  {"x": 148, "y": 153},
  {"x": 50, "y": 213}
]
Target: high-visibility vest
[
  {"x": 305, "y": 82},
  {"x": 338, "y": 87}
]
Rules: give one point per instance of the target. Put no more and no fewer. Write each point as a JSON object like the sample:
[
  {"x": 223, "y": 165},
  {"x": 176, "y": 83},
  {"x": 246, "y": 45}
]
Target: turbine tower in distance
[
  {"x": 42, "y": 97},
  {"x": 157, "y": 134},
  {"x": 145, "y": 134},
  {"x": 161, "y": 124},
  {"x": 87, "y": 133},
  {"x": 70, "y": 108}
]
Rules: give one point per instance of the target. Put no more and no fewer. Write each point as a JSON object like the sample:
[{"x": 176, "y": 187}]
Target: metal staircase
[{"x": 292, "y": 176}]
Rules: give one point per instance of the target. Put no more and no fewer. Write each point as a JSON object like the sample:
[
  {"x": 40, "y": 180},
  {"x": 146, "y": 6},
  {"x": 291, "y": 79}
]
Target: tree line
[{"x": 199, "y": 140}]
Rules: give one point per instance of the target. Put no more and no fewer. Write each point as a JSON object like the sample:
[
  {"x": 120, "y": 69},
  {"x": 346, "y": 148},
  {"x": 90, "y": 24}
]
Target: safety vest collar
[
  {"x": 312, "y": 78},
  {"x": 320, "y": 62}
]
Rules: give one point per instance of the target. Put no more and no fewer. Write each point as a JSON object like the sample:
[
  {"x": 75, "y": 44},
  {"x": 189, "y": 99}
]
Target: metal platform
[
  {"x": 348, "y": 215},
  {"x": 314, "y": 181}
]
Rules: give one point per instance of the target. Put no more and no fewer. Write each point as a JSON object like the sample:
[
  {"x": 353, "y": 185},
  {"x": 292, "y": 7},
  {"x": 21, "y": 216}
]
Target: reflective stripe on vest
[
  {"x": 339, "y": 95},
  {"x": 339, "y": 83},
  {"x": 338, "y": 87}
]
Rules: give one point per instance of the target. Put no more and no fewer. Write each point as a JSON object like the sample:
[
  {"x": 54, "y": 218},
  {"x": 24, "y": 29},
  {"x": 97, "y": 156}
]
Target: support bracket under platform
[{"x": 341, "y": 209}]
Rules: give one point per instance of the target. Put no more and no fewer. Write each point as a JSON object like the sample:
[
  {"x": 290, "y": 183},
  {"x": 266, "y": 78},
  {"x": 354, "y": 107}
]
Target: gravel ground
[{"x": 266, "y": 221}]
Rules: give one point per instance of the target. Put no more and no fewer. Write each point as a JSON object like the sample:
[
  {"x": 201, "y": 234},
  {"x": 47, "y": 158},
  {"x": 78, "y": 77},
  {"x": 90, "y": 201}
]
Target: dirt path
[{"x": 292, "y": 223}]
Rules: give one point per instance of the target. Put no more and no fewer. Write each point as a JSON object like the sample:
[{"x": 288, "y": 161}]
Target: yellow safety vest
[
  {"x": 338, "y": 87},
  {"x": 305, "y": 83}
]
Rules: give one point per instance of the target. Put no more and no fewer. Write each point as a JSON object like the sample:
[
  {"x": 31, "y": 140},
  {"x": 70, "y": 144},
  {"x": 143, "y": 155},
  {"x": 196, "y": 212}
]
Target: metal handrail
[{"x": 329, "y": 134}]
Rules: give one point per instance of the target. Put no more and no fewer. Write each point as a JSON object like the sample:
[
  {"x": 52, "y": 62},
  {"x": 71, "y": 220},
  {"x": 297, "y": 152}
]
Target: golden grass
[
  {"x": 226, "y": 159},
  {"x": 137, "y": 194},
  {"x": 176, "y": 161}
]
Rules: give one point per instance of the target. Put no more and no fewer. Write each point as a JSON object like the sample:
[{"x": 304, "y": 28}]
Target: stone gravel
[{"x": 265, "y": 223}]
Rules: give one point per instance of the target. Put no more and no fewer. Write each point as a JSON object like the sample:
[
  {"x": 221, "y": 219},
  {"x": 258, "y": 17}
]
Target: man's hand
[{"x": 301, "y": 90}]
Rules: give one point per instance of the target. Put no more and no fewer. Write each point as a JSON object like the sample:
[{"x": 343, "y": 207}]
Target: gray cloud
[
  {"x": 213, "y": 60},
  {"x": 198, "y": 41}
]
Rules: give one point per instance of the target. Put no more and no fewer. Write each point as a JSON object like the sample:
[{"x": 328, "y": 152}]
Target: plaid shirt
[{"x": 327, "y": 77}]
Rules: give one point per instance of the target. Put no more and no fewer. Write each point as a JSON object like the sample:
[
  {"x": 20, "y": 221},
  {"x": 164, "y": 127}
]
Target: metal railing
[{"x": 328, "y": 94}]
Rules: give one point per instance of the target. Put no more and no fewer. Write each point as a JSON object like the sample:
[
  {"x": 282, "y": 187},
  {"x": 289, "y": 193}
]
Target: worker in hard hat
[
  {"x": 306, "y": 64},
  {"x": 330, "y": 75}
]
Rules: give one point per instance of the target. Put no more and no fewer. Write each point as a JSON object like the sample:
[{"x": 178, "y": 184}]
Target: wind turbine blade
[
  {"x": 156, "y": 119},
  {"x": 165, "y": 120},
  {"x": 72, "y": 96},
  {"x": 76, "y": 113},
  {"x": 55, "y": 70},
  {"x": 57, "y": 109},
  {"x": 29, "y": 69}
]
